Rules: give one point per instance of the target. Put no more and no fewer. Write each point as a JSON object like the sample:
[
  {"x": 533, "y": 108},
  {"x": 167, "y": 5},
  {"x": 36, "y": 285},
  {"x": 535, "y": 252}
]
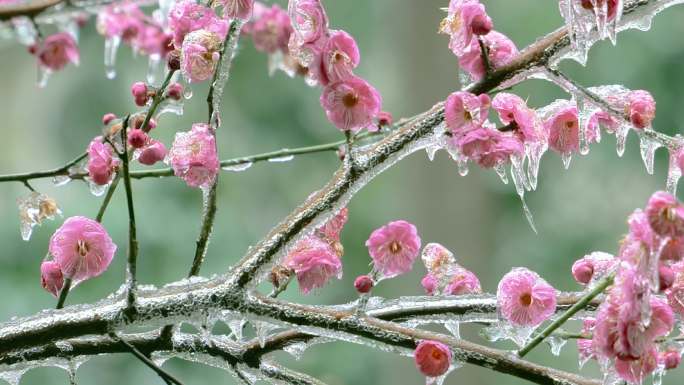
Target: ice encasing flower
[
  {"x": 351, "y": 104},
  {"x": 513, "y": 111},
  {"x": 33, "y": 210},
  {"x": 153, "y": 152},
  {"x": 563, "y": 128},
  {"x": 524, "y": 298},
  {"x": 101, "y": 163},
  {"x": 314, "y": 262},
  {"x": 585, "y": 269},
  {"x": 432, "y": 358},
  {"x": 463, "y": 281},
  {"x": 641, "y": 108},
  {"x": 394, "y": 247},
  {"x": 187, "y": 16},
  {"x": 200, "y": 55},
  {"x": 308, "y": 19},
  {"x": 193, "y": 156},
  {"x": 488, "y": 146},
  {"x": 665, "y": 215},
  {"x": 56, "y": 51},
  {"x": 339, "y": 57},
  {"x": 237, "y": 9},
  {"x": 122, "y": 20},
  {"x": 270, "y": 29},
  {"x": 82, "y": 248}
]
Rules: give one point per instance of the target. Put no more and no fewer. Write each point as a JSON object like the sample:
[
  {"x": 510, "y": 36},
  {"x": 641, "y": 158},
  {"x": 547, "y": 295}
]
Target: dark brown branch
[{"x": 29, "y": 9}]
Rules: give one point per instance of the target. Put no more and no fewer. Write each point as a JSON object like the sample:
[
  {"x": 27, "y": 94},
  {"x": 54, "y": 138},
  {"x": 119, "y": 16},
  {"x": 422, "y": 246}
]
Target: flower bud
[
  {"x": 51, "y": 278},
  {"x": 137, "y": 138},
  {"x": 139, "y": 92},
  {"x": 583, "y": 271},
  {"x": 666, "y": 277},
  {"x": 363, "y": 284},
  {"x": 482, "y": 24},
  {"x": 175, "y": 91},
  {"x": 107, "y": 118},
  {"x": 173, "y": 60},
  {"x": 670, "y": 359},
  {"x": 432, "y": 358}
]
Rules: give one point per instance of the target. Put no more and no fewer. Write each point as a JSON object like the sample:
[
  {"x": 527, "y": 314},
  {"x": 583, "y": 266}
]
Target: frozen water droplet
[
  {"x": 110, "y": 49},
  {"x": 462, "y": 165},
  {"x": 648, "y": 148},
  {"x": 431, "y": 151},
  {"x": 97, "y": 189},
  {"x": 33, "y": 210},
  {"x": 534, "y": 153},
  {"x": 282, "y": 159},
  {"x": 454, "y": 327},
  {"x": 501, "y": 172},
  {"x": 187, "y": 91},
  {"x": 673, "y": 172},
  {"x": 528, "y": 215},
  {"x": 556, "y": 344},
  {"x": 621, "y": 138},
  {"x": 24, "y": 30},
  {"x": 60, "y": 180},
  {"x": 154, "y": 68},
  {"x": 566, "y": 157},
  {"x": 238, "y": 167},
  {"x": 296, "y": 349}
]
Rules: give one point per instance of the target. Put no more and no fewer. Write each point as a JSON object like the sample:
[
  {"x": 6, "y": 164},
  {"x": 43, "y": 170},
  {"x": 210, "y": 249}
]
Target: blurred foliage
[{"x": 577, "y": 211}]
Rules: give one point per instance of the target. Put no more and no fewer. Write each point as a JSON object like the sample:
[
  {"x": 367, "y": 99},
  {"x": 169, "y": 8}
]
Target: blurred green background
[{"x": 577, "y": 211}]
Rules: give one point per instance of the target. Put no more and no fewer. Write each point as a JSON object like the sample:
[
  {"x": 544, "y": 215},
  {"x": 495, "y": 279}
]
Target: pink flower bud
[
  {"x": 583, "y": 271},
  {"x": 137, "y": 138},
  {"x": 641, "y": 108},
  {"x": 175, "y": 91},
  {"x": 363, "y": 284},
  {"x": 51, "y": 277},
  {"x": 173, "y": 60},
  {"x": 152, "y": 153},
  {"x": 429, "y": 283},
  {"x": 101, "y": 163},
  {"x": 670, "y": 358},
  {"x": 139, "y": 92},
  {"x": 82, "y": 248},
  {"x": 432, "y": 358},
  {"x": 107, "y": 118},
  {"x": 482, "y": 24},
  {"x": 385, "y": 119},
  {"x": 394, "y": 248}
]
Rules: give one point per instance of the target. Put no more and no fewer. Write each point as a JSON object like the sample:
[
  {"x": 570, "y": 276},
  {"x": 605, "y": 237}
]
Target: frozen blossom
[
  {"x": 314, "y": 262},
  {"x": 524, "y": 298},
  {"x": 200, "y": 55},
  {"x": 466, "y": 19},
  {"x": 56, "y": 51},
  {"x": 33, "y": 210},
  {"x": 351, "y": 104},
  {"x": 193, "y": 156},
  {"x": 432, "y": 358},
  {"x": 394, "y": 248},
  {"x": 501, "y": 51},
  {"x": 101, "y": 162}
]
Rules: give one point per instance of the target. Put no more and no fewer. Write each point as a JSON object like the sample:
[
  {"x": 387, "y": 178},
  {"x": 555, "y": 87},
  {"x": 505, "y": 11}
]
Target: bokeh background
[{"x": 576, "y": 211}]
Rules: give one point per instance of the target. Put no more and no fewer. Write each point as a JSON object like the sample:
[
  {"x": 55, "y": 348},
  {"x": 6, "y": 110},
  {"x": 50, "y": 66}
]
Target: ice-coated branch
[
  {"x": 168, "y": 378},
  {"x": 281, "y": 373},
  {"x": 132, "y": 262}
]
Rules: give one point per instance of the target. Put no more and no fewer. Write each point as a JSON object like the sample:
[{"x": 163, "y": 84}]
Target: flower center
[
  {"x": 467, "y": 116},
  {"x": 350, "y": 100},
  {"x": 436, "y": 355},
  {"x": 394, "y": 247},
  {"x": 82, "y": 248},
  {"x": 570, "y": 124},
  {"x": 526, "y": 299}
]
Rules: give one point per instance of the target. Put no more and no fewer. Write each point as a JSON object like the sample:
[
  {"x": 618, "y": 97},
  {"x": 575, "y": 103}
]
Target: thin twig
[
  {"x": 484, "y": 54},
  {"x": 158, "y": 98},
  {"x": 167, "y": 377},
  {"x": 131, "y": 266},
  {"x": 63, "y": 293},
  {"x": 107, "y": 198},
  {"x": 601, "y": 286}
]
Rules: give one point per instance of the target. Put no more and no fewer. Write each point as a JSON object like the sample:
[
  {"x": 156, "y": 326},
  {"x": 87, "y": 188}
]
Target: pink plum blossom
[
  {"x": 513, "y": 111},
  {"x": 432, "y": 358},
  {"x": 187, "y": 16},
  {"x": 394, "y": 247},
  {"x": 122, "y": 20},
  {"x": 332, "y": 228},
  {"x": 200, "y": 55},
  {"x": 465, "y": 20},
  {"x": 489, "y": 147},
  {"x": 464, "y": 112},
  {"x": 634, "y": 371},
  {"x": 665, "y": 214},
  {"x": 314, "y": 262},
  {"x": 584, "y": 270},
  {"x": 193, "y": 156},
  {"x": 611, "y": 7},
  {"x": 137, "y": 138},
  {"x": 51, "y": 278},
  {"x": 56, "y": 51},
  {"x": 153, "y": 40},
  {"x": 340, "y": 56},
  {"x": 270, "y": 29},
  {"x": 101, "y": 163},
  {"x": 524, "y": 298},
  {"x": 153, "y": 152},
  {"x": 501, "y": 51},
  {"x": 429, "y": 284},
  {"x": 563, "y": 128},
  {"x": 82, "y": 248},
  {"x": 237, "y": 9},
  {"x": 351, "y": 104}
]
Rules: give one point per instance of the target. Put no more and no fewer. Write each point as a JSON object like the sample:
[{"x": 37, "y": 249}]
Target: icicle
[
  {"x": 296, "y": 349},
  {"x": 556, "y": 344},
  {"x": 518, "y": 175},
  {"x": 440, "y": 380},
  {"x": 170, "y": 106},
  {"x": 110, "y": 48},
  {"x": 164, "y": 8},
  {"x": 658, "y": 375},
  {"x": 454, "y": 327},
  {"x": 583, "y": 122},
  {"x": 432, "y": 151},
  {"x": 673, "y": 172},
  {"x": 501, "y": 172},
  {"x": 282, "y": 159},
  {"x": 612, "y": 27},
  {"x": 43, "y": 76},
  {"x": 621, "y": 138},
  {"x": 236, "y": 326},
  {"x": 534, "y": 152},
  {"x": 464, "y": 79},
  {"x": 528, "y": 215},
  {"x": 238, "y": 167},
  {"x": 187, "y": 91},
  {"x": 462, "y": 165},
  {"x": 566, "y": 157},
  {"x": 97, "y": 189},
  {"x": 154, "y": 69},
  {"x": 33, "y": 210},
  {"x": 648, "y": 148},
  {"x": 24, "y": 30}
]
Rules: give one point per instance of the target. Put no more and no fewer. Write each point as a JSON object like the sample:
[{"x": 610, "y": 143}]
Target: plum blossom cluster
[
  {"x": 55, "y": 52},
  {"x": 583, "y": 17},
  {"x": 639, "y": 311},
  {"x": 300, "y": 42},
  {"x": 479, "y": 48},
  {"x": 80, "y": 249},
  {"x": 445, "y": 276}
]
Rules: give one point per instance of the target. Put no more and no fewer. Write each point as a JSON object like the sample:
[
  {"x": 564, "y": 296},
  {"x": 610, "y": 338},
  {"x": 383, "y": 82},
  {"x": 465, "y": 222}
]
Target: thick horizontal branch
[{"x": 30, "y": 8}]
